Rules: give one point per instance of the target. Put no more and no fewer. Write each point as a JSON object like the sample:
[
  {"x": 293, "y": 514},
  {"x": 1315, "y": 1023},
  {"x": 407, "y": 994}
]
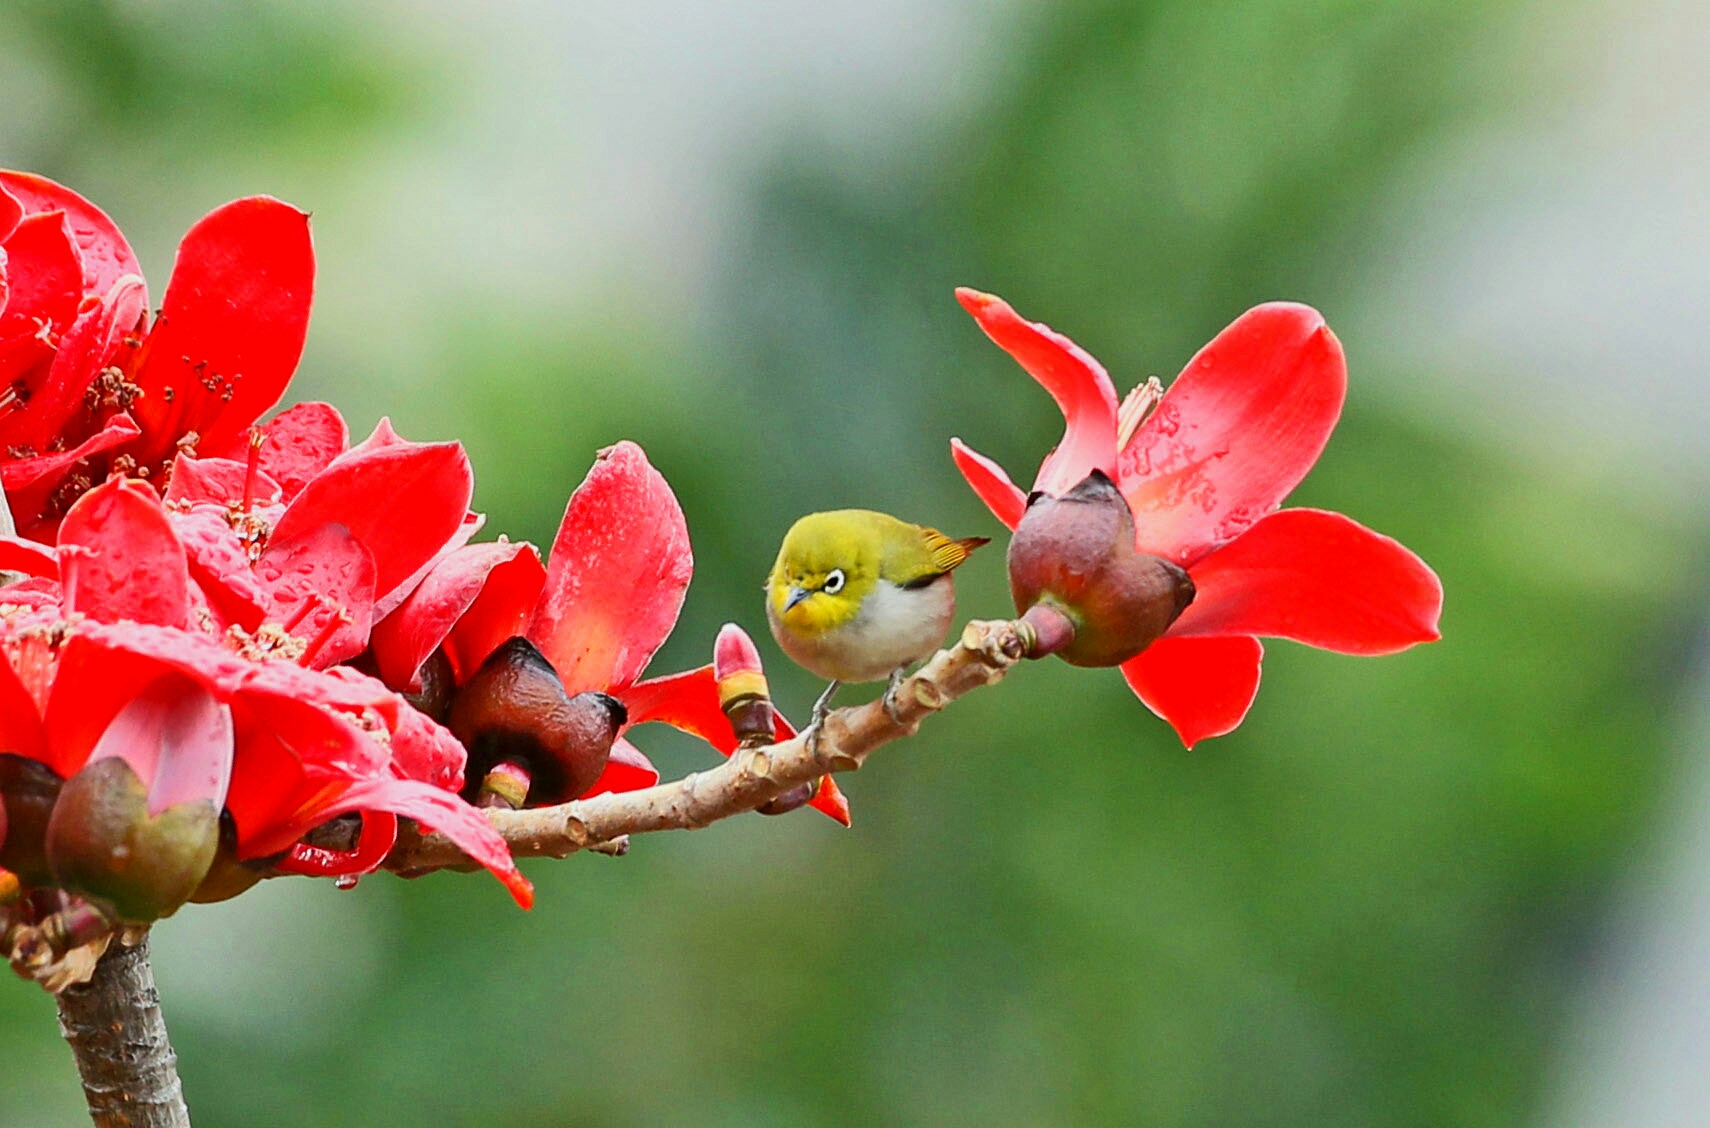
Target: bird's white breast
[{"x": 895, "y": 626}]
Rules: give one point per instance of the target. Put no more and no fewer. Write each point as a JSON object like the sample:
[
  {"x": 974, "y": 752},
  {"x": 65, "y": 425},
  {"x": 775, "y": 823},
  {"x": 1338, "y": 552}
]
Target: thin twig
[{"x": 752, "y": 777}]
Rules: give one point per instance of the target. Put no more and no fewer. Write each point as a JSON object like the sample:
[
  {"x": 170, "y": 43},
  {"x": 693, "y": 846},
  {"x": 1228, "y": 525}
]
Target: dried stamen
[{"x": 1136, "y": 406}]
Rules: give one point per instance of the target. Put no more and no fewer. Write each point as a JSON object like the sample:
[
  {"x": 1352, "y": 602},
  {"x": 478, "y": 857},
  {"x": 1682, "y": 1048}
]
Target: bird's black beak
[{"x": 797, "y": 594}]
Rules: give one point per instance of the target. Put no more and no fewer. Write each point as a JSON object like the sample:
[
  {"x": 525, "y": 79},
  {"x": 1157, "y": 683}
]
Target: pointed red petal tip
[
  {"x": 616, "y": 576},
  {"x": 830, "y": 800},
  {"x": 734, "y": 653},
  {"x": 990, "y": 484},
  {"x": 1077, "y": 382},
  {"x": 1202, "y": 686}
]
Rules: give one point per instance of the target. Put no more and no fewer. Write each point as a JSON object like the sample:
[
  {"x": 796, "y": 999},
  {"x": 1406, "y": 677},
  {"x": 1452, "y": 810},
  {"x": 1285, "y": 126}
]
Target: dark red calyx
[
  {"x": 515, "y": 710},
  {"x": 28, "y": 789},
  {"x": 1076, "y": 553}
]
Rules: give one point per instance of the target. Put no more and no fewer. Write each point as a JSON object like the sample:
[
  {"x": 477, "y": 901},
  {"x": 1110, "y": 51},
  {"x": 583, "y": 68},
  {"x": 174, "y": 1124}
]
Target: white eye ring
[{"x": 833, "y": 582}]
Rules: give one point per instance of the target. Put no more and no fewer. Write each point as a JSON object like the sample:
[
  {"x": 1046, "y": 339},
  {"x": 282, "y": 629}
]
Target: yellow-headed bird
[{"x": 857, "y": 595}]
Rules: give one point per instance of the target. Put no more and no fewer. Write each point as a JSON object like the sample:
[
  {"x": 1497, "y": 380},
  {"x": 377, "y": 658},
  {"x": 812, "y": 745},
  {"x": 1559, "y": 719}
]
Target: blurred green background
[{"x": 731, "y": 234}]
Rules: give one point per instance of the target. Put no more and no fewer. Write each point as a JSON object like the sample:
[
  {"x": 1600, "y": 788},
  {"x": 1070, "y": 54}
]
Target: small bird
[{"x": 857, "y": 596}]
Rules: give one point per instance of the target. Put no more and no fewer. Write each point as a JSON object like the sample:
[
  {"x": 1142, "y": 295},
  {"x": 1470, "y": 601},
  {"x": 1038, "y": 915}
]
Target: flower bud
[
  {"x": 136, "y": 828},
  {"x": 514, "y": 710},
  {"x": 1075, "y": 553},
  {"x": 28, "y": 789},
  {"x": 742, "y": 691}
]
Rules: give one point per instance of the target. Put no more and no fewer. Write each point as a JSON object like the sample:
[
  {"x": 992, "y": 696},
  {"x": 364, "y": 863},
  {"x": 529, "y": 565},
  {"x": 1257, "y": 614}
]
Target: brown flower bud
[
  {"x": 515, "y": 710},
  {"x": 1075, "y": 553}
]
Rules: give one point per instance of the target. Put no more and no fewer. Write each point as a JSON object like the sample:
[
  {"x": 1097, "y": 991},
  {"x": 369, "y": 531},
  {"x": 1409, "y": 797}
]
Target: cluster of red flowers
[
  {"x": 217, "y": 635},
  {"x": 244, "y": 616}
]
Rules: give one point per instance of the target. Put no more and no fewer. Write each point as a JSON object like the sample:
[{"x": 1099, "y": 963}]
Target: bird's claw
[{"x": 889, "y": 700}]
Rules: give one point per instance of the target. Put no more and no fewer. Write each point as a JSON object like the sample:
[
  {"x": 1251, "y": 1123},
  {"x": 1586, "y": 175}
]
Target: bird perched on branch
[{"x": 857, "y": 596}]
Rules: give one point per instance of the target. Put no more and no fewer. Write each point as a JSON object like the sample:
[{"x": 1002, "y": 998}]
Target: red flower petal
[
  {"x": 220, "y": 481},
  {"x": 220, "y": 566},
  {"x": 31, "y": 482},
  {"x": 1318, "y": 578},
  {"x": 177, "y": 738},
  {"x": 424, "y": 750},
  {"x": 440, "y": 811},
  {"x": 44, "y": 280},
  {"x": 105, "y": 254},
  {"x": 20, "y": 722},
  {"x": 1002, "y": 496},
  {"x": 321, "y": 580},
  {"x": 28, "y": 557},
  {"x": 472, "y": 600},
  {"x": 119, "y": 559},
  {"x": 45, "y": 471},
  {"x": 616, "y": 577},
  {"x": 689, "y": 701},
  {"x": 626, "y": 770},
  {"x": 379, "y": 833},
  {"x": 297, "y": 444},
  {"x": 1075, "y": 380},
  {"x": 401, "y": 502},
  {"x": 1235, "y": 433},
  {"x": 830, "y": 800},
  {"x": 11, "y": 211},
  {"x": 231, "y": 326},
  {"x": 94, "y": 341},
  {"x": 1202, "y": 686}
]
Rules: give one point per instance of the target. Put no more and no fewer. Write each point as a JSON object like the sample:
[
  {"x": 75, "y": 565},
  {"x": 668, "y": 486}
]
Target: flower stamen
[{"x": 1136, "y": 406}]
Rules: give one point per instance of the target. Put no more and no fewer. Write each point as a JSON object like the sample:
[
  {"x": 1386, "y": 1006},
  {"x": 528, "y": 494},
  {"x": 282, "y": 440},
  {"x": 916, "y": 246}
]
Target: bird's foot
[
  {"x": 822, "y": 707},
  {"x": 889, "y": 700}
]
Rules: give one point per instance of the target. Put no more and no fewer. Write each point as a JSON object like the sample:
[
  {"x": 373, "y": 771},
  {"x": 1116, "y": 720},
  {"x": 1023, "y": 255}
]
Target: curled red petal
[
  {"x": 1238, "y": 430},
  {"x": 28, "y": 477},
  {"x": 627, "y": 769},
  {"x": 617, "y": 574},
  {"x": 1202, "y": 686},
  {"x": 402, "y": 502},
  {"x": 105, "y": 255},
  {"x": 374, "y": 841},
  {"x": 471, "y": 601},
  {"x": 1075, "y": 380},
  {"x": 120, "y": 560},
  {"x": 1319, "y": 578},
  {"x": 1002, "y": 496},
  {"x": 440, "y": 811},
  {"x": 297, "y": 444},
  {"x": 231, "y": 325}
]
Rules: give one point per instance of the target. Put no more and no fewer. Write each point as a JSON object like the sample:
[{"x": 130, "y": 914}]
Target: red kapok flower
[
  {"x": 605, "y": 602},
  {"x": 120, "y": 613},
  {"x": 83, "y": 375},
  {"x": 1203, "y": 468}
]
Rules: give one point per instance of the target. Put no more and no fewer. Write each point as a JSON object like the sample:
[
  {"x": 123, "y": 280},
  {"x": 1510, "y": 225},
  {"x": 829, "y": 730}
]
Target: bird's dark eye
[{"x": 833, "y": 582}]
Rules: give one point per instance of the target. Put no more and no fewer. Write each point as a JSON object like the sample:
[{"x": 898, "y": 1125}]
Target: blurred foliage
[{"x": 1364, "y": 908}]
